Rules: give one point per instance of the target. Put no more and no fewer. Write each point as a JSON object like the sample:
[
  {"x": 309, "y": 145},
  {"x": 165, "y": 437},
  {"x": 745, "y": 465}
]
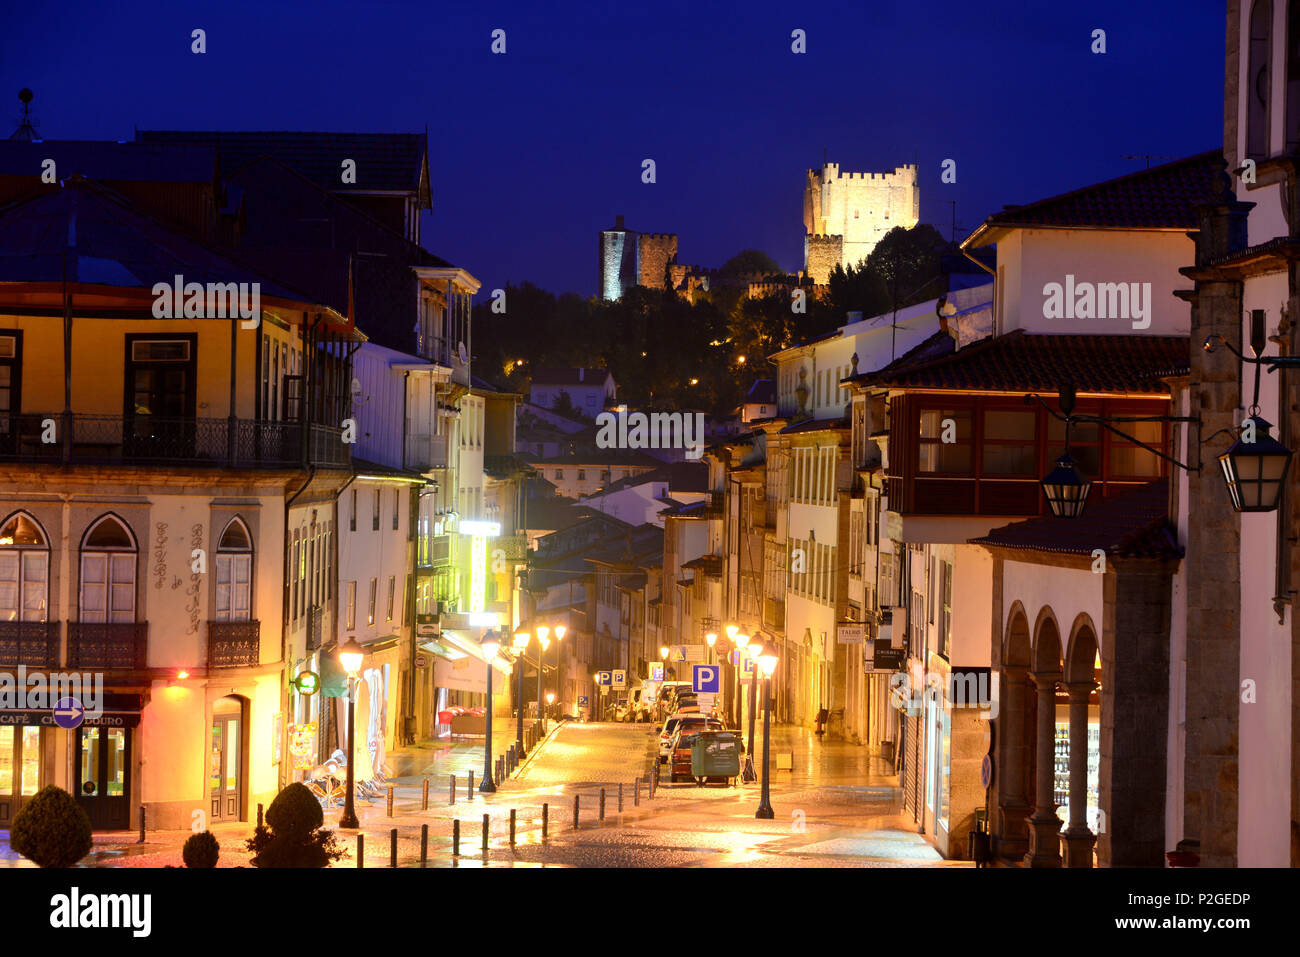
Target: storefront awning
[{"x": 460, "y": 641}]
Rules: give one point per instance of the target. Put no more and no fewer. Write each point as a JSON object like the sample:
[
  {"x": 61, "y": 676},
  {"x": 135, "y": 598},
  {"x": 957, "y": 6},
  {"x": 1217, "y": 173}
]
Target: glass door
[
  {"x": 224, "y": 766},
  {"x": 20, "y": 767},
  {"x": 103, "y": 776}
]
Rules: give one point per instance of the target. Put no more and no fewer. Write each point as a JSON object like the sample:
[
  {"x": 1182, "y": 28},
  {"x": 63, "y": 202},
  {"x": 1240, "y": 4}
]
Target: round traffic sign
[{"x": 69, "y": 713}]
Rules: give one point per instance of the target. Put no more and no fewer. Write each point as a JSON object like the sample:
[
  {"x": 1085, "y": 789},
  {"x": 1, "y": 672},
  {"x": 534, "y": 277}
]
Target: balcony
[
  {"x": 34, "y": 644},
  {"x": 152, "y": 440},
  {"x": 108, "y": 646},
  {"x": 234, "y": 644},
  {"x": 425, "y": 452},
  {"x": 437, "y": 553},
  {"x": 515, "y": 547},
  {"x": 774, "y": 614}
]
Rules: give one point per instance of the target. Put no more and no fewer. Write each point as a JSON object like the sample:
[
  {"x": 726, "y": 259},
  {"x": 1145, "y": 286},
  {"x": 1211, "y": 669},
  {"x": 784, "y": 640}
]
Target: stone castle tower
[
  {"x": 846, "y": 214},
  {"x": 628, "y": 258}
]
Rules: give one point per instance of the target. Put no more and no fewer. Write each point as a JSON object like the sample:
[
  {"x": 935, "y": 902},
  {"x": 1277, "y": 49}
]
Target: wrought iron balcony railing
[
  {"x": 152, "y": 440},
  {"x": 234, "y": 644},
  {"x": 315, "y": 627},
  {"x": 773, "y": 614},
  {"x": 108, "y": 646},
  {"x": 31, "y": 643}
]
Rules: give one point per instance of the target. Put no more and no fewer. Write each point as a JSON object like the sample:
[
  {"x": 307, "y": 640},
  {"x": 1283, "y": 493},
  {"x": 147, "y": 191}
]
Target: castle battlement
[
  {"x": 658, "y": 236},
  {"x": 846, "y": 212},
  {"x": 823, "y": 237},
  {"x": 906, "y": 172}
]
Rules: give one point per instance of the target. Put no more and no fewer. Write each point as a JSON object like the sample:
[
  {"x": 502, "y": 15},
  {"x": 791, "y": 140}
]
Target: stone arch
[
  {"x": 1081, "y": 650},
  {"x": 1046, "y": 649},
  {"x": 1016, "y": 648}
]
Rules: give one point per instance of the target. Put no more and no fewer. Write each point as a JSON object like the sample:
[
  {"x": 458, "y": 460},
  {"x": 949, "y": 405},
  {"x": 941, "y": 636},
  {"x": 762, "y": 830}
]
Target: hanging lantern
[
  {"x": 1066, "y": 489},
  {"x": 1255, "y": 471}
]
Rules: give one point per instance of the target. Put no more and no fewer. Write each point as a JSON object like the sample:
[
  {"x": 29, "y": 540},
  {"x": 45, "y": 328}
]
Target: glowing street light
[
  {"x": 767, "y": 662},
  {"x": 351, "y": 655},
  {"x": 490, "y": 645}
]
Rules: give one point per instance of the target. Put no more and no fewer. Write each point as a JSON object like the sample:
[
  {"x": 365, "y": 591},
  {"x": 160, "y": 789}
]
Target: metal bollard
[
  {"x": 575, "y": 812},
  {"x": 452, "y": 789},
  {"x": 636, "y": 793},
  {"x": 512, "y": 827},
  {"x": 141, "y": 841},
  {"x": 392, "y": 848},
  {"x": 546, "y": 814},
  {"x": 469, "y": 794},
  {"x": 390, "y": 800},
  {"x": 485, "y": 833},
  {"x": 602, "y": 804},
  {"x": 424, "y": 844},
  {"x": 424, "y": 801},
  {"x": 620, "y": 798},
  {"x": 361, "y": 850},
  {"x": 455, "y": 838},
  {"x": 259, "y": 815}
]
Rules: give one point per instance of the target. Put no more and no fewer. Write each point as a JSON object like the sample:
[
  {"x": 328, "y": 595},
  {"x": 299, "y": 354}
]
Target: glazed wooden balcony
[
  {"x": 151, "y": 440},
  {"x": 234, "y": 644},
  {"x": 108, "y": 646},
  {"x": 34, "y": 644}
]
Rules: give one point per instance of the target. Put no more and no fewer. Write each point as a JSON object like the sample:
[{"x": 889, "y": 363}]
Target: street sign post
[
  {"x": 604, "y": 678},
  {"x": 620, "y": 680},
  {"x": 705, "y": 678}
]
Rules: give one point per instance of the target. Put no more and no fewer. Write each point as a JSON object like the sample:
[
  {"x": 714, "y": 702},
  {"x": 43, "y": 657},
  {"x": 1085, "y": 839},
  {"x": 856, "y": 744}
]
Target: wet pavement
[{"x": 837, "y": 807}]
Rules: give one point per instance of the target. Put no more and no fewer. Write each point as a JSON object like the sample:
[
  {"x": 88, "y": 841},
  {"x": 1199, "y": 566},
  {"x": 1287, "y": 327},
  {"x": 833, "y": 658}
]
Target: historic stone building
[{"x": 846, "y": 214}]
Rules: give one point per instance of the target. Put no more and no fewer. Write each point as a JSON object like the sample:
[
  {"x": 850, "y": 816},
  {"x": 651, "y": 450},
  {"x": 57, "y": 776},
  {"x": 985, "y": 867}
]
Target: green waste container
[{"x": 715, "y": 754}]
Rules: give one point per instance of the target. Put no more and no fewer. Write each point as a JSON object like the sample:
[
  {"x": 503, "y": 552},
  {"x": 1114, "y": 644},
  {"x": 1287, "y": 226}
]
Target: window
[
  {"x": 888, "y": 589},
  {"x": 374, "y": 520},
  {"x": 1129, "y": 460},
  {"x": 107, "y": 573},
  {"x": 559, "y": 473},
  {"x": 351, "y": 606},
  {"x": 916, "y": 624},
  {"x": 582, "y": 475},
  {"x": 1009, "y": 447},
  {"x": 1085, "y": 445},
  {"x": 945, "y": 608},
  {"x": 392, "y": 588},
  {"x": 24, "y": 570},
  {"x": 939, "y": 456},
  {"x": 604, "y": 475},
  {"x": 406, "y": 601},
  {"x": 293, "y": 577},
  {"x": 374, "y": 589},
  {"x": 160, "y": 350},
  {"x": 1259, "y": 80},
  {"x": 352, "y": 522},
  {"x": 234, "y": 573}
]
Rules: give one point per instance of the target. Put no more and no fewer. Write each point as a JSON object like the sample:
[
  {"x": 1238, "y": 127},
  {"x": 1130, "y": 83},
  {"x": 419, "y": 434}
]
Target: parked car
[
  {"x": 635, "y": 708},
  {"x": 689, "y": 720},
  {"x": 680, "y": 750}
]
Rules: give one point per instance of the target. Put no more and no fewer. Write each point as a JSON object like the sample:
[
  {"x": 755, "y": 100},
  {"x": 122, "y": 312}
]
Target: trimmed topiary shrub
[
  {"x": 51, "y": 829},
  {"x": 292, "y": 835},
  {"x": 201, "y": 850}
]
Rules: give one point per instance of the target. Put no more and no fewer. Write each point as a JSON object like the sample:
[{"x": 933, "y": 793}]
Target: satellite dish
[{"x": 464, "y": 353}]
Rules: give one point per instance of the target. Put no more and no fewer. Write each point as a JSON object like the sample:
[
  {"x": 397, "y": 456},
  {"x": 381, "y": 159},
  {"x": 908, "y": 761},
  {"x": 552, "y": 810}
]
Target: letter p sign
[{"x": 705, "y": 679}]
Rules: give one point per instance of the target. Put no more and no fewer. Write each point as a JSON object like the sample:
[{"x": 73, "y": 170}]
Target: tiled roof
[
  {"x": 385, "y": 161},
  {"x": 817, "y": 425},
  {"x": 763, "y": 392},
  {"x": 596, "y": 458},
  {"x": 1163, "y": 197},
  {"x": 1134, "y": 524},
  {"x": 1029, "y": 362},
  {"x": 112, "y": 162}
]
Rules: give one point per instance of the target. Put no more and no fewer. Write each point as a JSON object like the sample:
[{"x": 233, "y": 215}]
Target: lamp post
[
  {"x": 710, "y": 639},
  {"x": 560, "y": 631},
  {"x": 520, "y": 646},
  {"x": 732, "y": 686},
  {"x": 545, "y": 642},
  {"x": 490, "y": 644},
  {"x": 754, "y": 647},
  {"x": 351, "y": 655},
  {"x": 766, "y": 661}
]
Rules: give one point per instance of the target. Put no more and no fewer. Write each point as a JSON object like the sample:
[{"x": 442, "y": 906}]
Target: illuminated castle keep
[
  {"x": 629, "y": 258},
  {"x": 846, "y": 214}
]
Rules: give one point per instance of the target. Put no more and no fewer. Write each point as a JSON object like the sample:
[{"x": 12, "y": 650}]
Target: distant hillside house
[
  {"x": 589, "y": 390},
  {"x": 760, "y": 401}
]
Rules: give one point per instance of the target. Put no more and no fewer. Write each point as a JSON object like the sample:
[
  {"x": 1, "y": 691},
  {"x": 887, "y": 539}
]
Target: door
[
  {"x": 103, "y": 776},
  {"x": 160, "y": 397},
  {"x": 225, "y": 765}
]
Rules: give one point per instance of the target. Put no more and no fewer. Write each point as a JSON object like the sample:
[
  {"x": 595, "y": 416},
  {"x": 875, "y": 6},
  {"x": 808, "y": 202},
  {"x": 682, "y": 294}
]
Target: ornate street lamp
[
  {"x": 490, "y": 644},
  {"x": 767, "y": 662},
  {"x": 1255, "y": 467},
  {"x": 545, "y": 642},
  {"x": 1065, "y": 488},
  {"x": 351, "y": 655},
  {"x": 560, "y": 631},
  {"x": 754, "y": 648}
]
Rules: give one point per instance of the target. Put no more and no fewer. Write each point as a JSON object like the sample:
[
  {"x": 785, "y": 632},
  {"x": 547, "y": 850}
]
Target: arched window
[
  {"x": 1259, "y": 80},
  {"x": 24, "y": 569},
  {"x": 235, "y": 573},
  {"x": 108, "y": 560}
]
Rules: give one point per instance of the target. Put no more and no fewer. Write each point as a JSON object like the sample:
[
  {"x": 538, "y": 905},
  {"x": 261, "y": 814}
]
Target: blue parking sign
[
  {"x": 705, "y": 679},
  {"x": 604, "y": 677},
  {"x": 582, "y": 701}
]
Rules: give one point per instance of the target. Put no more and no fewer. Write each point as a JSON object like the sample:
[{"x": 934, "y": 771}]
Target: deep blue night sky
[{"x": 534, "y": 151}]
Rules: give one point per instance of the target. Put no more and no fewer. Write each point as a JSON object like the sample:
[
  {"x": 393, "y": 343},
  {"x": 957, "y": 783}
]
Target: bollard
[
  {"x": 455, "y": 838},
  {"x": 392, "y": 848},
  {"x": 575, "y": 812},
  {"x": 424, "y": 801},
  {"x": 512, "y": 827},
  {"x": 424, "y": 844},
  {"x": 602, "y": 804},
  {"x": 259, "y": 815},
  {"x": 636, "y": 793},
  {"x": 546, "y": 814},
  {"x": 452, "y": 789},
  {"x": 390, "y": 800},
  {"x": 469, "y": 794},
  {"x": 361, "y": 850},
  {"x": 141, "y": 841},
  {"x": 620, "y": 798},
  {"x": 485, "y": 834}
]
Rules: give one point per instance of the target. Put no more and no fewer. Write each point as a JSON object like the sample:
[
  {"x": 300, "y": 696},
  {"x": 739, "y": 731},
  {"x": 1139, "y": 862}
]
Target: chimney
[
  {"x": 855, "y": 315},
  {"x": 618, "y": 222}
]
